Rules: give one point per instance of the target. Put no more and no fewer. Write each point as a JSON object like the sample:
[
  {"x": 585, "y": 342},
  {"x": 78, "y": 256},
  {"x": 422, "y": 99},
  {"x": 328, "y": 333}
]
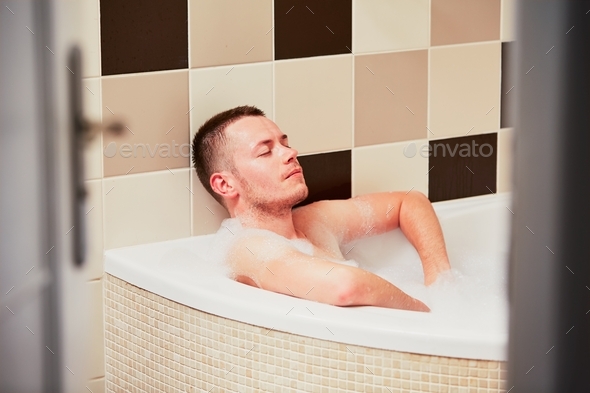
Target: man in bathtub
[{"x": 245, "y": 162}]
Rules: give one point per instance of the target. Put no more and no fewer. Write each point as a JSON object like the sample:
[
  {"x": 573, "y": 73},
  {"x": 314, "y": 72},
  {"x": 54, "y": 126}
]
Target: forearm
[
  {"x": 368, "y": 289},
  {"x": 421, "y": 227}
]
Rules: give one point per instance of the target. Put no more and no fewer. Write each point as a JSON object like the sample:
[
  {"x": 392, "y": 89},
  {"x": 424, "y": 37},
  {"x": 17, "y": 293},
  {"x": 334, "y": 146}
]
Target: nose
[{"x": 290, "y": 153}]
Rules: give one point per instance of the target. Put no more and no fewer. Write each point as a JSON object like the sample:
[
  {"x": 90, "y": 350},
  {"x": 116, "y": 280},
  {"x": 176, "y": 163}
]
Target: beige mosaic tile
[{"x": 154, "y": 344}]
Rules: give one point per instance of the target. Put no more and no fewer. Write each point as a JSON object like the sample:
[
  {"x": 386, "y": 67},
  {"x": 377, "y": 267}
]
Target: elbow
[
  {"x": 416, "y": 195},
  {"x": 347, "y": 292}
]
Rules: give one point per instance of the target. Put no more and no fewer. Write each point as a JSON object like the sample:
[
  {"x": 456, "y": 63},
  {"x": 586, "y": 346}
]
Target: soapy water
[{"x": 474, "y": 291}]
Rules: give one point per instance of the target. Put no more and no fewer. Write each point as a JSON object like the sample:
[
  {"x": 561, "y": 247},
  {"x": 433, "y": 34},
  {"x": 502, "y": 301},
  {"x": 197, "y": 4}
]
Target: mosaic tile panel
[{"x": 154, "y": 344}]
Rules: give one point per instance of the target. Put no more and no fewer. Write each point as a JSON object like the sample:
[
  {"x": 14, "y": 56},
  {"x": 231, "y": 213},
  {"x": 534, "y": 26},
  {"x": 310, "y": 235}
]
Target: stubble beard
[{"x": 263, "y": 204}]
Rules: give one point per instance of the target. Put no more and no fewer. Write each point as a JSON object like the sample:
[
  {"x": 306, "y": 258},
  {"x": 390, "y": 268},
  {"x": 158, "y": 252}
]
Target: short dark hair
[{"x": 210, "y": 145}]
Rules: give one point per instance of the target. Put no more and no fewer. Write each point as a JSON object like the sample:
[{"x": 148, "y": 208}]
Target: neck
[{"x": 279, "y": 221}]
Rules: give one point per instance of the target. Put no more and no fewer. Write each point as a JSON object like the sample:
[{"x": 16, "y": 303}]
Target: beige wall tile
[
  {"x": 146, "y": 207},
  {"x": 217, "y": 89},
  {"x": 390, "y": 97},
  {"x": 508, "y": 32},
  {"x": 505, "y": 159},
  {"x": 154, "y": 107},
  {"x": 385, "y": 25},
  {"x": 230, "y": 32},
  {"x": 464, "y": 90},
  {"x": 94, "y": 230},
  {"x": 207, "y": 213},
  {"x": 90, "y": 38},
  {"x": 96, "y": 385},
  {"x": 96, "y": 345},
  {"x": 383, "y": 168},
  {"x": 459, "y": 21},
  {"x": 313, "y": 102},
  {"x": 91, "y": 95}
]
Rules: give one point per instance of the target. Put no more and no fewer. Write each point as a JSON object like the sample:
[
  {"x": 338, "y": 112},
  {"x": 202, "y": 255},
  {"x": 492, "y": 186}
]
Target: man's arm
[
  {"x": 373, "y": 214},
  {"x": 276, "y": 266}
]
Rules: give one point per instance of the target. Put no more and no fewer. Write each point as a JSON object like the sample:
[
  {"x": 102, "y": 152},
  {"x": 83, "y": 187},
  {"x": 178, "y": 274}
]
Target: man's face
[{"x": 265, "y": 164}]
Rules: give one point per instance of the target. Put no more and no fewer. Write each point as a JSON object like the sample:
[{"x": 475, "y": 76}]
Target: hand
[{"x": 433, "y": 275}]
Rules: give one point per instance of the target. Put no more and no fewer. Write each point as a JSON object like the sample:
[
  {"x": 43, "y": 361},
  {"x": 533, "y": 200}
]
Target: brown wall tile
[
  {"x": 459, "y": 21},
  {"x": 318, "y": 28},
  {"x": 141, "y": 36},
  {"x": 390, "y": 97},
  {"x": 327, "y": 175},
  {"x": 456, "y": 171},
  {"x": 154, "y": 108}
]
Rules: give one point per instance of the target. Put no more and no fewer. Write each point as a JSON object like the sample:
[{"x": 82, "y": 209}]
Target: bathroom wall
[{"x": 363, "y": 88}]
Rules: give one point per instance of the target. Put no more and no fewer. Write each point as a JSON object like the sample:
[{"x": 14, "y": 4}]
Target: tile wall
[{"x": 363, "y": 88}]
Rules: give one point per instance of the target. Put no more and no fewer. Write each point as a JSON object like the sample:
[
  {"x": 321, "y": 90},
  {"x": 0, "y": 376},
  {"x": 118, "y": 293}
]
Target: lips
[{"x": 294, "y": 171}]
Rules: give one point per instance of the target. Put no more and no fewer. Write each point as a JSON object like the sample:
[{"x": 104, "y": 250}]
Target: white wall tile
[
  {"x": 147, "y": 207},
  {"x": 90, "y": 38},
  {"x": 386, "y": 25},
  {"x": 313, "y": 102},
  {"x": 383, "y": 168},
  {"x": 94, "y": 230},
  {"x": 217, "y": 89},
  {"x": 464, "y": 90}
]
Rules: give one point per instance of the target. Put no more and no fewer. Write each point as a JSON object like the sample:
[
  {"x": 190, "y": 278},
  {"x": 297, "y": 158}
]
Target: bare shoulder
[
  {"x": 353, "y": 218},
  {"x": 250, "y": 252}
]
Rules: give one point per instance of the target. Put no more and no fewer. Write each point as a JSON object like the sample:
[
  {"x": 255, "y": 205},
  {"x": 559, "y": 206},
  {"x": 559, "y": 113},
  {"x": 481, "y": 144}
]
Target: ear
[{"x": 224, "y": 184}]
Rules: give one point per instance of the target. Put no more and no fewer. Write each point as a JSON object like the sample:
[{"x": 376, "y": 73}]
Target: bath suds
[{"x": 472, "y": 293}]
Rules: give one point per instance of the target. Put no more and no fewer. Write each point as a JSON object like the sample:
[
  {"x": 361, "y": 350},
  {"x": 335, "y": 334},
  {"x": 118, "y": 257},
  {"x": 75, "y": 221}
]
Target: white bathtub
[{"x": 468, "y": 318}]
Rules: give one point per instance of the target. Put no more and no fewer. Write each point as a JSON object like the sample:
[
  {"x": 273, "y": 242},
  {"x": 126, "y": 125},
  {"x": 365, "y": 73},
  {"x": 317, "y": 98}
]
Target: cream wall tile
[
  {"x": 313, "y": 102},
  {"x": 508, "y": 16},
  {"x": 385, "y": 25},
  {"x": 154, "y": 108},
  {"x": 96, "y": 385},
  {"x": 94, "y": 230},
  {"x": 207, "y": 212},
  {"x": 383, "y": 168},
  {"x": 464, "y": 90},
  {"x": 505, "y": 159},
  {"x": 391, "y": 96},
  {"x": 230, "y": 32},
  {"x": 96, "y": 345},
  {"x": 214, "y": 90},
  {"x": 90, "y": 38},
  {"x": 147, "y": 207},
  {"x": 93, "y": 149}
]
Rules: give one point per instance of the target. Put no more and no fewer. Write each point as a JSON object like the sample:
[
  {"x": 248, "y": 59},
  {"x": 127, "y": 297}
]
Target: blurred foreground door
[{"x": 43, "y": 308}]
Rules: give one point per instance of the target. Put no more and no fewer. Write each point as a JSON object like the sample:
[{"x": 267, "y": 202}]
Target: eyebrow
[{"x": 264, "y": 142}]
